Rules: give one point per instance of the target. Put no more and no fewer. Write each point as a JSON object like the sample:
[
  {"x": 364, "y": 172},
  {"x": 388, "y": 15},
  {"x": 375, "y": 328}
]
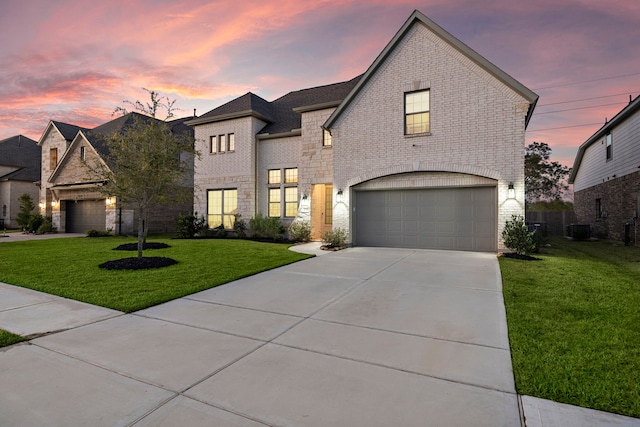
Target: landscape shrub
[
  {"x": 335, "y": 238},
  {"x": 35, "y": 221},
  {"x": 300, "y": 231},
  {"x": 188, "y": 225},
  {"x": 239, "y": 226},
  {"x": 46, "y": 226},
  {"x": 99, "y": 233},
  {"x": 517, "y": 237},
  {"x": 266, "y": 228}
]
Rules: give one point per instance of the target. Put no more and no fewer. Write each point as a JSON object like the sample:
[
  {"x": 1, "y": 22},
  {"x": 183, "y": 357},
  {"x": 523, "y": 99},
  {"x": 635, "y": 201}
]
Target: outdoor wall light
[
  {"x": 42, "y": 205},
  {"x": 340, "y": 192},
  {"x": 54, "y": 203},
  {"x": 339, "y": 195},
  {"x": 304, "y": 196},
  {"x": 109, "y": 201},
  {"x": 511, "y": 193}
]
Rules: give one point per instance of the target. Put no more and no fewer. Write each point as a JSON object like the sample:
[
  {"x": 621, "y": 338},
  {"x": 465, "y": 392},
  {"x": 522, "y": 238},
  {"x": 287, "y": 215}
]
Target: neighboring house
[
  {"x": 68, "y": 192},
  {"x": 424, "y": 150},
  {"x": 606, "y": 177},
  {"x": 19, "y": 172}
]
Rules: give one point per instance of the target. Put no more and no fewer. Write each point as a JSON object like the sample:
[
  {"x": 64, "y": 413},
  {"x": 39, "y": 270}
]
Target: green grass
[
  {"x": 574, "y": 324},
  {"x": 69, "y": 268},
  {"x": 7, "y": 338}
]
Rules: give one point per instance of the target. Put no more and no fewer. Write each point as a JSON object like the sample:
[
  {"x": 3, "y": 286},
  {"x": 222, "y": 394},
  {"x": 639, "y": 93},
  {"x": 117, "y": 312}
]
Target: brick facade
[
  {"x": 620, "y": 205},
  {"x": 477, "y": 125},
  {"x": 478, "y": 117}
]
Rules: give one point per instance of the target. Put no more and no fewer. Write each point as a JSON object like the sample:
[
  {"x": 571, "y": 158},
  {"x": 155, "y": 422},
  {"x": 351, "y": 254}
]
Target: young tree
[
  {"x": 543, "y": 179},
  {"x": 146, "y": 164},
  {"x": 23, "y": 218}
]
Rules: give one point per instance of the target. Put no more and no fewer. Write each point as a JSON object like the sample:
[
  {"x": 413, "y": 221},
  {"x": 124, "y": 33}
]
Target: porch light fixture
[
  {"x": 511, "y": 193},
  {"x": 340, "y": 192},
  {"x": 54, "y": 203},
  {"x": 42, "y": 204},
  {"x": 304, "y": 196},
  {"x": 339, "y": 195},
  {"x": 109, "y": 201}
]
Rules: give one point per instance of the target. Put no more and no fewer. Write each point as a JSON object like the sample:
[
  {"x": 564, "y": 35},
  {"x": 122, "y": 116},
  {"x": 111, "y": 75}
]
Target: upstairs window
[
  {"x": 609, "y": 140},
  {"x": 213, "y": 144},
  {"x": 53, "y": 158},
  {"x": 222, "y": 143},
  {"x": 231, "y": 141},
  {"x": 83, "y": 154},
  {"x": 326, "y": 138},
  {"x": 416, "y": 112}
]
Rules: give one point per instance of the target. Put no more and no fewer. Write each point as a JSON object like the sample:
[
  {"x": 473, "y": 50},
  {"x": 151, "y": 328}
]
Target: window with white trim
[
  {"x": 283, "y": 193},
  {"x": 609, "y": 141},
  {"x": 417, "y": 112}
]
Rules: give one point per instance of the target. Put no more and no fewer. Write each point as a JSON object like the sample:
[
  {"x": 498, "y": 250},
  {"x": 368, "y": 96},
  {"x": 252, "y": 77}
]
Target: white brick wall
[
  {"x": 477, "y": 124},
  {"x": 230, "y": 169}
]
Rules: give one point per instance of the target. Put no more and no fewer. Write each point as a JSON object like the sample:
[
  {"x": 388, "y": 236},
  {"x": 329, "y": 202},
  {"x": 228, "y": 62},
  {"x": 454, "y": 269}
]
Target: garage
[
  {"x": 441, "y": 218},
  {"x": 85, "y": 215}
]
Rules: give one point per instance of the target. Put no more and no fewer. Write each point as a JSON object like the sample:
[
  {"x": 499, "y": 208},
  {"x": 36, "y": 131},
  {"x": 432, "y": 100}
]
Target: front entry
[{"x": 321, "y": 210}]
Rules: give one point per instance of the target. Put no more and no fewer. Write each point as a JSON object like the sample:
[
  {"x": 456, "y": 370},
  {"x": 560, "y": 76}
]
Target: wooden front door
[{"x": 321, "y": 209}]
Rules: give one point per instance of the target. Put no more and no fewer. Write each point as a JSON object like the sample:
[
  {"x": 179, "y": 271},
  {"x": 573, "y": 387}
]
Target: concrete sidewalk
[{"x": 359, "y": 337}]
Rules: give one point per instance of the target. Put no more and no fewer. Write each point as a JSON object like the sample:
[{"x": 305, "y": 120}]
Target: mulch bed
[
  {"x": 135, "y": 263},
  {"x": 134, "y": 246},
  {"x": 521, "y": 257}
]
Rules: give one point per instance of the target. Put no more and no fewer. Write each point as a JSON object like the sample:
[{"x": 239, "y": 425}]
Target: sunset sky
[{"x": 75, "y": 61}]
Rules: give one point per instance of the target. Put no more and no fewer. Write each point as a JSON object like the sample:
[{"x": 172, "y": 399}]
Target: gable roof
[
  {"x": 248, "y": 104},
  {"x": 284, "y": 113},
  {"x": 22, "y": 153},
  {"x": 419, "y": 18},
  {"x": 66, "y": 130},
  {"x": 627, "y": 111}
]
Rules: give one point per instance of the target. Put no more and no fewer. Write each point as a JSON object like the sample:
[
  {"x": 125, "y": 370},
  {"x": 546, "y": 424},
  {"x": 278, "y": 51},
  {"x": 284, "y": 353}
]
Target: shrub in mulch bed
[
  {"x": 134, "y": 246},
  {"x": 520, "y": 256},
  {"x": 135, "y": 263}
]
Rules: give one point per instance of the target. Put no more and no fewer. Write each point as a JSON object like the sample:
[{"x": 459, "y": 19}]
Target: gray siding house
[{"x": 606, "y": 177}]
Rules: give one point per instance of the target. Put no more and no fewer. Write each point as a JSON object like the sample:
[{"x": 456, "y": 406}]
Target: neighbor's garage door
[
  {"x": 85, "y": 215},
  {"x": 444, "y": 218}
]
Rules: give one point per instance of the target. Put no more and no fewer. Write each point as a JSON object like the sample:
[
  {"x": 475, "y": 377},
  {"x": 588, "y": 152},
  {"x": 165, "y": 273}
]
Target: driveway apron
[{"x": 359, "y": 337}]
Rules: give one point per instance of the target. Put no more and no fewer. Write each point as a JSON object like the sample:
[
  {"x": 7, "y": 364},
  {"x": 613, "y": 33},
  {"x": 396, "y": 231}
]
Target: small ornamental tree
[
  {"x": 147, "y": 163},
  {"x": 23, "y": 218},
  {"x": 517, "y": 237}
]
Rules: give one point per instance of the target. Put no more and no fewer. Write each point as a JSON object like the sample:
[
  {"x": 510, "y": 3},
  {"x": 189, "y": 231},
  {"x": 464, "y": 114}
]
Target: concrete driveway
[{"x": 360, "y": 337}]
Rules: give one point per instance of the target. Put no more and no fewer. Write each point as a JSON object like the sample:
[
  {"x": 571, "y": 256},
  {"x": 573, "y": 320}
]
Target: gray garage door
[
  {"x": 447, "y": 218},
  {"x": 85, "y": 215}
]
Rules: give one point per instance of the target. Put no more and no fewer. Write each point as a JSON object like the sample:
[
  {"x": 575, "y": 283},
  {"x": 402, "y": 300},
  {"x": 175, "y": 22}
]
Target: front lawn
[
  {"x": 69, "y": 268},
  {"x": 574, "y": 324}
]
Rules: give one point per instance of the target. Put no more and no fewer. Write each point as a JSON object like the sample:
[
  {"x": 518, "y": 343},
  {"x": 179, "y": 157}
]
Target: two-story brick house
[
  {"x": 70, "y": 194},
  {"x": 606, "y": 177},
  {"x": 425, "y": 149}
]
